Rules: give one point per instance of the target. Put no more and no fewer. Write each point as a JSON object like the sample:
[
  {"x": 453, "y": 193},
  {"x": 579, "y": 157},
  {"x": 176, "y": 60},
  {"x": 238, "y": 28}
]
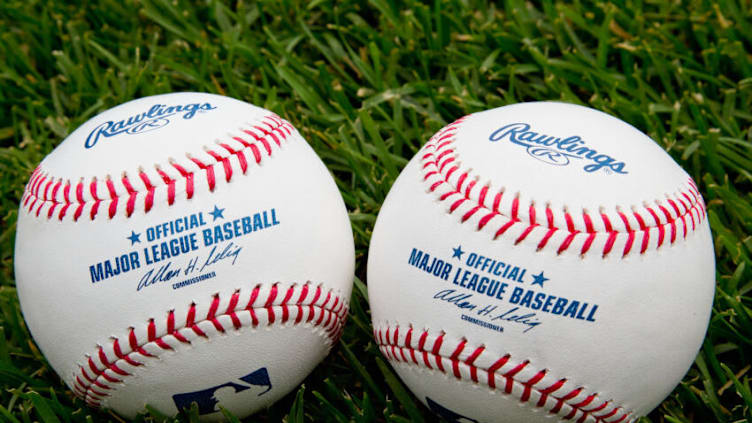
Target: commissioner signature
[
  {"x": 466, "y": 303},
  {"x": 168, "y": 271}
]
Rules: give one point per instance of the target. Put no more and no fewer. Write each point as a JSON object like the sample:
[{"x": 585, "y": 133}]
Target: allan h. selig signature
[
  {"x": 168, "y": 272},
  {"x": 465, "y": 303}
]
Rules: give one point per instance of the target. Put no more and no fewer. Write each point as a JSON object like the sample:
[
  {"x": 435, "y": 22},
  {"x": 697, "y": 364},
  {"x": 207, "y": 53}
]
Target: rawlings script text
[
  {"x": 556, "y": 151},
  {"x": 154, "y": 118}
]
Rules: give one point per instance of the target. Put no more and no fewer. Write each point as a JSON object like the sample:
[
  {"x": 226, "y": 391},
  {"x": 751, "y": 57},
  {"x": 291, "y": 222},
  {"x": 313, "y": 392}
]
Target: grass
[{"x": 367, "y": 83}]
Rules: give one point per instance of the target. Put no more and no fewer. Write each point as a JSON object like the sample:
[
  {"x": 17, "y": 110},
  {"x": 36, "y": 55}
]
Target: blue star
[
  {"x": 134, "y": 238},
  {"x": 217, "y": 213},
  {"x": 458, "y": 252},
  {"x": 539, "y": 279}
]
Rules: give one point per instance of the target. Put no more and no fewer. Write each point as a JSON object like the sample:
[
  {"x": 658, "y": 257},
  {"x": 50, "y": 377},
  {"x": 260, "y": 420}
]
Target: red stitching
[
  {"x": 96, "y": 379},
  {"x": 149, "y": 200},
  {"x": 504, "y": 368},
  {"x": 131, "y": 204},
  {"x": 440, "y": 168},
  {"x": 54, "y": 199},
  {"x": 170, "y": 186},
  {"x": 113, "y": 197},
  {"x": 42, "y": 189},
  {"x": 262, "y": 140}
]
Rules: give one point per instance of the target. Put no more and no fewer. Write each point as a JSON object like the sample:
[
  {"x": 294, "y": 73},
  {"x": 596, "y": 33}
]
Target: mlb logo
[
  {"x": 447, "y": 414},
  {"x": 208, "y": 399}
]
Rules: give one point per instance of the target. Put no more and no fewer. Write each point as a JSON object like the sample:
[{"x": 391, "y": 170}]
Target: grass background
[{"x": 367, "y": 83}]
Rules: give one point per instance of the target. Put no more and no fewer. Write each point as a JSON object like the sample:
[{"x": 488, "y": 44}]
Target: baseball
[
  {"x": 541, "y": 262},
  {"x": 183, "y": 248}
]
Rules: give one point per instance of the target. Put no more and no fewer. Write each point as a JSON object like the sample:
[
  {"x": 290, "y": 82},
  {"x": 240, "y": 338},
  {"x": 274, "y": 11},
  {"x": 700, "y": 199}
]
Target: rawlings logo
[
  {"x": 556, "y": 151},
  {"x": 154, "y": 118}
]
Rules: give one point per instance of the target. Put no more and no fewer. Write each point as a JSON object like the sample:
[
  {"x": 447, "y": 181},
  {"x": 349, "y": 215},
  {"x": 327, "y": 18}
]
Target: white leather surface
[
  {"x": 653, "y": 307},
  {"x": 69, "y": 315}
]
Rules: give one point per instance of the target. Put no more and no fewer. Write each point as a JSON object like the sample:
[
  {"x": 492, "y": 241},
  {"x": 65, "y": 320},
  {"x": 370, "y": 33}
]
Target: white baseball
[
  {"x": 183, "y": 248},
  {"x": 541, "y": 262}
]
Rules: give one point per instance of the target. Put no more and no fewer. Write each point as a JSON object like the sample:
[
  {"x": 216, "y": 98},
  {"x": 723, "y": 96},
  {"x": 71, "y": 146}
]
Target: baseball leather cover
[
  {"x": 183, "y": 248},
  {"x": 538, "y": 262}
]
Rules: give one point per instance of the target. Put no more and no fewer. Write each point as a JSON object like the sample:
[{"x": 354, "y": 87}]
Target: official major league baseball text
[
  {"x": 552, "y": 263},
  {"x": 200, "y": 252}
]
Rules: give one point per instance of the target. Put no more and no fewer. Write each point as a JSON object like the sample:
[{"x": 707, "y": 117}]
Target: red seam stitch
[
  {"x": 551, "y": 389},
  {"x": 531, "y": 215},
  {"x": 239, "y": 154},
  {"x": 497, "y": 201},
  {"x": 673, "y": 225},
  {"x": 570, "y": 221},
  {"x": 444, "y": 164},
  {"x": 471, "y": 359},
  {"x": 66, "y": 192},
  {"x": 661, "y": 229},
  {"x": 494, "y": 367},
  {"x": 435, "y": 351},
  {"x": 29, "y": 189},
  {"x": 509, "y": 376},
  {"x": 93, "y": 192},
  {"x": 481, "y": 196},
  {"x": 588, "y": 222},
  {"x": 171, "y": 321},
  {"x": 262, "y": 140},
  {"x": 567, "y": 241},
  {"x": 545, "y": 238},
  {"x": 268, "y": 132},
  {"x": 503, "y": 228},
  {"x": 79, "y": 199},
  {"x": 524, "y": 234},
  {"x": 209, "y": 169},
  {"x": 396, "y": 337},
  {"x": 456, "y": 204},
  {"x": 335, "y": 313},
  {"x": 38, "y": 183},
  {"x": 587, "y": 244},
  {"x": 188, "y": 176},
  {"x": 170, "y": 186},
  {"x": 149, "y": 200},
  {"x": 231, "y": 310},
  {"x": 515, "y": 207},
  {"x": 212, "y": 313},
  {"x": 55, "y": 190},
  {"x": 36, "y": 193},
  {"x": 470, "y": 213},
  {"x": 447, "y": 195},
  {"x": 47, "y": 189},
  {"x": 610, "y": 413},
  {"x": 454, "y": 357},
  {"x": 51, "y": 211},
  {"x": 645, "y": 231},
  {"x": 35, "y": 175},
  {"x": 439, "y": 146},
  {"x": 394, "y": 350},
  {"x": 485, "y": 219},
  {"x": 461, "y": 181},
  {"x": 131, "y": 204},
  {"x": 528, "y": 386},
  {"x": 452, "y": 170},
  {"x": 113, "y": 197},
  {"x": 470, "y": 188},
  {"x": 225, "y": 163}
]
